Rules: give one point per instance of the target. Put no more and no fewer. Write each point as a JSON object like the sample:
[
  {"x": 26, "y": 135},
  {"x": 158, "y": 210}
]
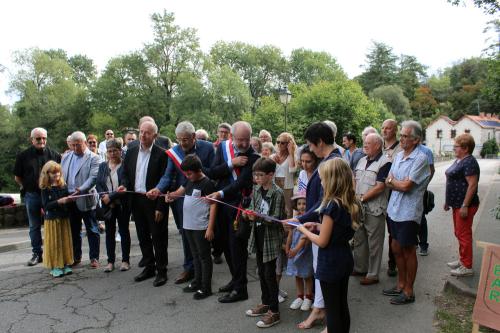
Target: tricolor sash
[
  {"x": 228, "y": 154},
  {"x": 176, "y": 157}
]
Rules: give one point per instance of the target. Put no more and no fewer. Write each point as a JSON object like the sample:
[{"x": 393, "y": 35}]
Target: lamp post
[{"x": 285, "y": 98}]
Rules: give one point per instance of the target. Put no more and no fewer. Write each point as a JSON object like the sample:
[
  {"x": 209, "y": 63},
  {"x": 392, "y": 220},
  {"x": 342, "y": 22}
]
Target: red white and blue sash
[
  {"x": 228, "y": 154},
  {"x": 177, "y": 156}
]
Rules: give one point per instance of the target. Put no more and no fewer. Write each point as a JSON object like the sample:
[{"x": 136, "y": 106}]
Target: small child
[
  {"x": 300, "y": 260},
  {"x": 266, "y": 239},
  {"x": 198, "y": 223},
  {"x": 58, "y": 246}
]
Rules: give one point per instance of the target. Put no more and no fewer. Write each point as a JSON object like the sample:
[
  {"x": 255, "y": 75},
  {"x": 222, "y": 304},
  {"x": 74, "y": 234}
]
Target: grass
[{"x": 454, "y": 313}]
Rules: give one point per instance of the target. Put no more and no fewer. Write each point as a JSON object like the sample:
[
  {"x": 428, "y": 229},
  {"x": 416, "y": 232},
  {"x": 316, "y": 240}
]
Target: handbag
[{"x": 103, "y": 212}]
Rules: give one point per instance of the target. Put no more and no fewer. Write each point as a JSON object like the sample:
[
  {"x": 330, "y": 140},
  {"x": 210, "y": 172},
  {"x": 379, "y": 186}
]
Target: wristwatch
[{"x": 389, "y": 180}]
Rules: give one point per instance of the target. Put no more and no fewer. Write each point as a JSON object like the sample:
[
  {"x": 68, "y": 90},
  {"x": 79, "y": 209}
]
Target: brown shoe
[
  {"x": 368, "y": 281},
  {"x": 354, "y": 273},
  {"x": 184, "y": 277},
  {"x": 94, "y": 264},
  {"x": 269, "y": 319},
  {"x": 259, "y": 310}
]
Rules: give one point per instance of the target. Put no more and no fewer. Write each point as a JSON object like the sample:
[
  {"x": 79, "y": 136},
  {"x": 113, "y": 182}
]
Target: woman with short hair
[{"x": 462, "y": 179}]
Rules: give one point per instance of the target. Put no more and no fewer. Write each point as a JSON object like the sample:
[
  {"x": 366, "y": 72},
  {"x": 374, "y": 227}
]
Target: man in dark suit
[
  {"x": 232, "y": 168},
  {"x": 174, "y": 177},
  {"x": 142, "y": 169}
]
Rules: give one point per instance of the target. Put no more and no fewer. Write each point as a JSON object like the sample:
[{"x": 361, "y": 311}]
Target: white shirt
[
  {"x": 284, "y": 170},
  {"x": 101, "y": 150},
  {"x": 141, "y": 168}
]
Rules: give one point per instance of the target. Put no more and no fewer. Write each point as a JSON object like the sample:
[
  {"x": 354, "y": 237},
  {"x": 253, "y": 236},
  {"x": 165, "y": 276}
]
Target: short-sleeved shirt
[
  {"x": 409, "y": 206},
  {"x": 456, "y": 184},
  {"x": 195, "y": 210},
  {"x": 428, "y": 152},
  {"x": 335, "y": 261},
  {"x": 30, "y": 162}
]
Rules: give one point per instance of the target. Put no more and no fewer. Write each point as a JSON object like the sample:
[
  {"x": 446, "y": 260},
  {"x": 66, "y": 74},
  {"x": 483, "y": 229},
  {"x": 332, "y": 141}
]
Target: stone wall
[{"x": 13, "y": 217}]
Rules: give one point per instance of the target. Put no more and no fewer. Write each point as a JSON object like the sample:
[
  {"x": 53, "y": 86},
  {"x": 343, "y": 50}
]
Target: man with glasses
[
  {"x": 27, "y": 169},
  {"x": 408, "y": 179},
  {"x": 174, "y": 177},
  {"x": 109, "y": 134},
  {"x": 223, "y": 133}
]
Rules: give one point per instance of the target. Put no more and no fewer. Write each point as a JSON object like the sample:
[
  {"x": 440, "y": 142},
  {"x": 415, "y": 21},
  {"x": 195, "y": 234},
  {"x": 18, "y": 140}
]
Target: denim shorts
[{"x": 404, "y": 232}]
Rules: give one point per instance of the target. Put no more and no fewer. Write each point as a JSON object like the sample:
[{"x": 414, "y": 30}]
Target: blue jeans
[
  {"x": 75, "y": 218},
  {"x": 177, "y": 207},
  {"x": 33, "y": 203}
]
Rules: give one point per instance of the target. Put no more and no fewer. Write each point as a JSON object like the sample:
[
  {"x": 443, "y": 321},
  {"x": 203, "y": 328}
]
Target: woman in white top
[{"x": 285, "y": 168}]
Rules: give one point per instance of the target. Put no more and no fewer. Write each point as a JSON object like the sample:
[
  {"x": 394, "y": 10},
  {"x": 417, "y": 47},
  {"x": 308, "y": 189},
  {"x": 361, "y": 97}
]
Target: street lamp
[{"x": 285, "y": 98}]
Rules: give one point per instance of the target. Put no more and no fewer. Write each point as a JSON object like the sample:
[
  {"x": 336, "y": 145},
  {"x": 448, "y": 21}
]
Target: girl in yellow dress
[{"x": 58, "y": 247}]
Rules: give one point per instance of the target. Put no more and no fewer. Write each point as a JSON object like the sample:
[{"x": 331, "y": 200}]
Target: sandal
[{"x": 315, "y": 322}]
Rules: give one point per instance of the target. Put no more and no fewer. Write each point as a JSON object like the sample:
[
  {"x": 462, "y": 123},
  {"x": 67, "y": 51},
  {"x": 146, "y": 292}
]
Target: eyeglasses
[
  {"x": 281, "y": 142},
  {"x": 405, "y": 136},
  {"x": 457, "y": 146},
  {"x": 41, "y": 139},
  {"x": 109, "y": 133},
  {"x": 92, "y": 142}
]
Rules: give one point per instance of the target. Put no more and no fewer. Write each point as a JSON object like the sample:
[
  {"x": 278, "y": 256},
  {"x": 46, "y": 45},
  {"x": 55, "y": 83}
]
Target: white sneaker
[
  {"x": 454, "y": 264},
  {"x": 306, "y": 304},
  {"x": 296, "y": 304},
  {"x": 462, "y": 271},
  {"x": 281, "y": 299}
]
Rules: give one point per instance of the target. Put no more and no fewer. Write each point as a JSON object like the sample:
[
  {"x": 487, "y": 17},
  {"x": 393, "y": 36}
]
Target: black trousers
[
  {"x": 202, "y": 260},
  {"x": 338, "y": 319},
  {"x": 153, "y": 236},
  {"x": 267, "y": 274},
  {"x": 119, "y": 215},
  {"x": 234, "y": 249}
]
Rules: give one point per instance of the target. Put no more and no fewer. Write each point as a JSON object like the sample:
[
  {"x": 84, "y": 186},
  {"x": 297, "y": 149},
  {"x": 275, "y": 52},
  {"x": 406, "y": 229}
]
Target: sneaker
[
  {"x": 462, "y": 271},
  {"x": 296, "y": 304},
  {"x": 402, "y": 299},
  {"x": 118, "y": 238},
  {"x": 281, "y": 299},
  {"x": 423, "y": 252},
  {"x": 394, "y": 291},
  {"x": 67, "y": 270},
  {"x": 306, "y": 304},
  {"x": 56, "y": 272},
  {"x": 109, "y": 268},
  {"x": 94, "y": 263},
  {"x": 454, "y": 264},
  {"x": 35, "y": 259},
  {"x": 259, "y": 310},
  {"x": 269, "y": 319},
  {"x": 125, "y": 266}
]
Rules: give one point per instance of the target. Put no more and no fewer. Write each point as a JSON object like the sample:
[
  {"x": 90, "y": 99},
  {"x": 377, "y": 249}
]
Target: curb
[
  {"x": 454, "y": 284},
  {"x": 15, "y": 246}
]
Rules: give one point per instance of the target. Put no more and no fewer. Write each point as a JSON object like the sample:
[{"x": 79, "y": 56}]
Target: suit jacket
[
  {"x": 221, "y": 173},
  {"x": 173, "y": 177},
  {"x": 85, "y": 177},
  {"x": 156, "y": 166}
]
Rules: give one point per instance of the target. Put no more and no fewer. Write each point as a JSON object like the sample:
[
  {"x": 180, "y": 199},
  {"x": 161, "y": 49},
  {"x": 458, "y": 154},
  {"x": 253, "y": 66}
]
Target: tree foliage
[{"x": 394, "y": 99}]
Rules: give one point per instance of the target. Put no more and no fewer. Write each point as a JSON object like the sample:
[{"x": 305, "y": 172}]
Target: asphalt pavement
[{"x": 94, "y": 301}]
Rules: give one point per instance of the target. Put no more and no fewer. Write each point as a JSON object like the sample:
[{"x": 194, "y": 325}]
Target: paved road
[{"x": 93, "y": 301}]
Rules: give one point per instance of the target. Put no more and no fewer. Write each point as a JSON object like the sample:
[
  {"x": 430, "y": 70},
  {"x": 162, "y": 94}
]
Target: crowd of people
[{"x": 316, "y": 212}]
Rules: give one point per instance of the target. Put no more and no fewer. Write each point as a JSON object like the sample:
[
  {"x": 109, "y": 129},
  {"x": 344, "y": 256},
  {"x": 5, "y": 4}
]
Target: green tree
[
  {"x": 84, "y": 70},
  {"x": 424, "y": 105},
  {"x": 380, "y": 69},
  {"x": 490, "y": 147},
  {"x": 395, "y": 100},
  {"x": 10, "y": 143},
  {"x": 262, "y": 69},
  {"x": 488, "y": 6},
  {"x": 309, "y": 67},
  {"x": 174, "y": 51},
  {"x": 410, "y": 74}
]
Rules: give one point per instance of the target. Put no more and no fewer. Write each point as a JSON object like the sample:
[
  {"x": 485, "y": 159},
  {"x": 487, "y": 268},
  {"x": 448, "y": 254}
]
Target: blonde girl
[
  {"x": 58, "y": 247},
  {"x": 338, "y": 210}
]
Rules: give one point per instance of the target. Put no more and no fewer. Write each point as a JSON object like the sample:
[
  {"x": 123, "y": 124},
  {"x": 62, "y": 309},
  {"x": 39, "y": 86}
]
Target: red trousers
[{"x": 463, "y": 232}]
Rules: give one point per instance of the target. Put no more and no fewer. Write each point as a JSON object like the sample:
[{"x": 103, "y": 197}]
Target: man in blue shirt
[{"x": 408, "y": 180}]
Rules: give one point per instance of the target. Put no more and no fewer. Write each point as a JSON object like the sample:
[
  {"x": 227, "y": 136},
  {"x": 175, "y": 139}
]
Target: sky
[{"x": 434, "y": 31}]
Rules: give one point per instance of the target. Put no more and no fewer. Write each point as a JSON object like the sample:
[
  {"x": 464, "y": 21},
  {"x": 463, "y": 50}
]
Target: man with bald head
[
  {"x": 27, "y": 169},
  {"x": 142, "y": 169},
  {"x": 232, "y": 169},
  {"x": 391, "y": 149},
  {"x": 370, "y": 173}
]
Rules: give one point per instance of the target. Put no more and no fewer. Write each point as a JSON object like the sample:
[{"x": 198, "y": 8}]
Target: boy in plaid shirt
[{"x": 266, "y": 238}]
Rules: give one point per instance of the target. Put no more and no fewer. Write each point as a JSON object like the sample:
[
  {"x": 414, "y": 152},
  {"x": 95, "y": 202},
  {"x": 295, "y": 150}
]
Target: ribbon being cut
[{"x": 246, "y": 211}]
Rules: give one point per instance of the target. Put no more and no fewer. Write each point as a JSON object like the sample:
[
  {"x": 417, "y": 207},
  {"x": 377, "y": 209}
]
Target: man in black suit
[
  {"x": 143, "y": 167},
  {"x": 232, "y": 168}
]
